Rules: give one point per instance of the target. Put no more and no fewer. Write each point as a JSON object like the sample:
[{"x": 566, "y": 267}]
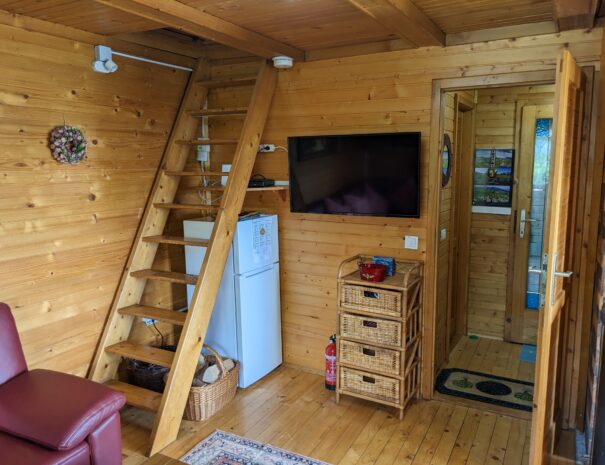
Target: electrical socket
[
  {"x": 266, "y": 148},
  {"x": 149, "y": 321}
]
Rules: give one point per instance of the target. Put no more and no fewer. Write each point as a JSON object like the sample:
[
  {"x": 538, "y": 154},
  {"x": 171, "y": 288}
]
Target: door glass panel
[{"x": 535, "y": 279}]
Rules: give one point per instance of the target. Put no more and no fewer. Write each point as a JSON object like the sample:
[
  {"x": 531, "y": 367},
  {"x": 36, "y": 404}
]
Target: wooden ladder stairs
[{"x": 114, "y": 343}]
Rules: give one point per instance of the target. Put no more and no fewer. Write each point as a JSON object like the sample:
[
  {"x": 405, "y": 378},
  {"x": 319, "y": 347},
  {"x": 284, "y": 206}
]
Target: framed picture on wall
[{"x": 493, "y": 181}]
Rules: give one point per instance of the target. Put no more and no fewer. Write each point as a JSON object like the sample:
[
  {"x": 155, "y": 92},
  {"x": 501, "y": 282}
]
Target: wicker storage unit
[{"x": 379, "y": 333}]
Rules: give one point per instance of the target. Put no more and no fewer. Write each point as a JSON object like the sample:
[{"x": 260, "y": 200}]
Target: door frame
[
  {"x": 593, "y": 194},
  {"x": 440, "y": 87},
  {"x": 460, "y": 233}
]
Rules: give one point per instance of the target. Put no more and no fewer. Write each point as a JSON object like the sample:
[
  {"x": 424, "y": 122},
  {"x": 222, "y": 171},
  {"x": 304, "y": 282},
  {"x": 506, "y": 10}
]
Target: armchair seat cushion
[{"x": 54, "y": 409}]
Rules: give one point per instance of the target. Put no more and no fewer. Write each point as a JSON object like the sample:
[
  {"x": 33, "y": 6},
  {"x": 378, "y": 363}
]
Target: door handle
[
  {"x": 522, "y": 220},
  {"x": 556, "y": 274},
  {"x": 563, "y": 274}
]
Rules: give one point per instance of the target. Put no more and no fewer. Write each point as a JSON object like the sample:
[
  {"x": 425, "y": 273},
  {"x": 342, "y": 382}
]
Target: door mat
[
  {"x": 505, "y": 392},
  {"x": 221, "y": 448}
]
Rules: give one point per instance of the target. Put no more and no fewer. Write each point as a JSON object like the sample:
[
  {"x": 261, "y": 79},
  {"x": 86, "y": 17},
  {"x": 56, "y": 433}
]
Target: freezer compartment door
[
  {"x": 259, "y": 328},
  {"x": 256, "y": 244}
]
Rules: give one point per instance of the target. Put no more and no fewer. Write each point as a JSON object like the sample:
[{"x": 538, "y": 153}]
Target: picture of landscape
[{"x": 493, "y": 178}]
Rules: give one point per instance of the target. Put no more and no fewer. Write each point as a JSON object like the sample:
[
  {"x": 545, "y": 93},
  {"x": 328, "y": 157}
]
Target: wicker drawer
[
  {"x": 369, "y": 384},
  {"x": 371, "y": 299},
  {"x": 370, "y": 357},
  {"x": 371, "y": 329}
]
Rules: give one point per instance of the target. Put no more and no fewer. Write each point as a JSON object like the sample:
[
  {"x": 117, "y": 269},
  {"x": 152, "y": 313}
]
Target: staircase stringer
[
  {"x": 142, "y": 254},
  {"x": 169, "y": 415}
]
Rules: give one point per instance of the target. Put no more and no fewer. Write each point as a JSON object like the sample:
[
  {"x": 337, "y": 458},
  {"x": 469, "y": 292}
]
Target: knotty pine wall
[
  {"x": 65, "y": 231},
  {"x": 382, "y": 92},
  {"x": 496, "y": 126}
]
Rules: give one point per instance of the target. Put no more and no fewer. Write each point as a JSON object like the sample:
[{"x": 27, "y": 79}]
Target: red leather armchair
[{"x": 51, "y": 418}]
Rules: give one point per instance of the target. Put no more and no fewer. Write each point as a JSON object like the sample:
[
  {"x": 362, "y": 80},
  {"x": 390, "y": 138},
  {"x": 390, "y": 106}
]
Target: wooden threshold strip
[
  {"x": 169, "y": 276},
  {"x": 176, "y": 240},
  {"x": 143, "y": 353},
  {"x": 161, "y": 314},
  {"x": 137, "y": 396}
]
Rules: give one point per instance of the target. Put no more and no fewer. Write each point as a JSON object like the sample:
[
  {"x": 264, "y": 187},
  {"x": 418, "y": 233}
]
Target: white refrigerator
[{"x": 246, "y": 320}]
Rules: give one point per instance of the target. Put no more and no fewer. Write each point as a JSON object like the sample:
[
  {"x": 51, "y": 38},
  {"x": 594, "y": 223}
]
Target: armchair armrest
[{"x": 54, "y": 409}]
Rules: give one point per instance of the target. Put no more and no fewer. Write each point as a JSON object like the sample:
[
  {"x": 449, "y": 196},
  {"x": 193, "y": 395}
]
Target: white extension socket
[{"x": 266, "y": 148}]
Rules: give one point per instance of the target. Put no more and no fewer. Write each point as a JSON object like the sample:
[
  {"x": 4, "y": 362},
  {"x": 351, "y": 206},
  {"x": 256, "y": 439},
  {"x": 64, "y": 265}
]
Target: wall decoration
[
  {"x": 446, "y": 160},
  {"x": 493, "y": 181},
  {"x": 68, "y": 145}
]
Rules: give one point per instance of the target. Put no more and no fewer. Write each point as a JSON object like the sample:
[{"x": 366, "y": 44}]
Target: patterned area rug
[
  {"x": 222, "y": 448},
  {"x": 495, "y": 390}
]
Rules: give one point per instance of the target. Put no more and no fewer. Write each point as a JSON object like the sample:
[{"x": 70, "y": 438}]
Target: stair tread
[
  {"x": 237, "y": 82},
  {"x": 219, "y": 111},
  {"x": 137, "y": 396},
  {"x": 143, "y": 353},
  {"x": 155, "y": 313},
  {"x": 186, "y": 206},
  {"x": 171, "y": 276},
  {"x": 196, "y": 173},
  {"x": 207, "y": 142},
  {"x": 176, "y": 240}
]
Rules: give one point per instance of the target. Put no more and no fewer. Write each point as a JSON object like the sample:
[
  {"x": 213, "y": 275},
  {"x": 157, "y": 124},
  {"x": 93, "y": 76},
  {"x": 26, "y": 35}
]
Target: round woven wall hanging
[{"x": 68, "y": 145}]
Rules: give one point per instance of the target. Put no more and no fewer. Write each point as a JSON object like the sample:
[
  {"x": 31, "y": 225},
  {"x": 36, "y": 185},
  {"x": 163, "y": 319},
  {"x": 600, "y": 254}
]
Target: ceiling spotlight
[
  {"x": 283, "y": 62},
  {"x": 103, "y": 62}
]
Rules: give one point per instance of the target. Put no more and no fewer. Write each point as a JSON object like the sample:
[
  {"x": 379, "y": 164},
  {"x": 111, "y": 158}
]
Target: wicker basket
[
  {"x": 371, "y": 299},
  {"x": 371, "y": 330},
  {"x": 370, "y": 384},
  {"x": 207, "y": 400},
  {"x": 371, "y": 358},
  {"x": 148, "y": 375}
]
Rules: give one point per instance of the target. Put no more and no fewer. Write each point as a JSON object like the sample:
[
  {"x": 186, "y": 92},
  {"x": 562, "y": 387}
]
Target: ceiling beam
[
  {"x": 188, "y": 19},
  {"x": 574, "y": 14},
  {"x": 404, "y": 19}
]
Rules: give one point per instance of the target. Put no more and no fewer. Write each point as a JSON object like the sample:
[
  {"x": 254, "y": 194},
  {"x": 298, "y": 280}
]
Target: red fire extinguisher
[{"x": 331, "y": 364}]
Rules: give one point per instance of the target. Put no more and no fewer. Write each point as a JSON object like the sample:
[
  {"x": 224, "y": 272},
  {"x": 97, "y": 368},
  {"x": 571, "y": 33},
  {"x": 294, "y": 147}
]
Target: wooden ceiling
[{"x": 293, "y": 27}]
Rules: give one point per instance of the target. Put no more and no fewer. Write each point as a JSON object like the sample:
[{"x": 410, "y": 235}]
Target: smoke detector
[
  {"x": 103, "y": 62},
  {"x": 283, "y": 62}
]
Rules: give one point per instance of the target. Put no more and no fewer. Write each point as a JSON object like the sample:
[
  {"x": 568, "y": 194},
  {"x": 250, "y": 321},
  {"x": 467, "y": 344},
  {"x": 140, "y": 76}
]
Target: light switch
[{"x": 411, "y": 242}]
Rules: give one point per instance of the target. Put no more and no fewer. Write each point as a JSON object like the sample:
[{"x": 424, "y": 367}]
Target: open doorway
[
  {"x": 491, "y": 233},
  {"x": 572, "y": 194}
]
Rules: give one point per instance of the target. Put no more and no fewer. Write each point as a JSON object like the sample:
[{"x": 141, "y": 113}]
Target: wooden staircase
[{"x": 127, "y": 306}]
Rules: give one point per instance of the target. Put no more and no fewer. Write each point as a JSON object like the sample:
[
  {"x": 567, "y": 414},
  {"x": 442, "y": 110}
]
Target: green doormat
[{"x": 496, "y": 390}]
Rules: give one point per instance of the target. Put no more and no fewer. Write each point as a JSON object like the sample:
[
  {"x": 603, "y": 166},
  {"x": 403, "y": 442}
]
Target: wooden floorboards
[
  {"x": 491, "y": 357},
  {"x": 291, "y": 409}
]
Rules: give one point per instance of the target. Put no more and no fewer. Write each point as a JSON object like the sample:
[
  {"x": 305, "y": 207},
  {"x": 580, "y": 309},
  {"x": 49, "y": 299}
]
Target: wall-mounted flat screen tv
[{"x": 361, "y": 174}]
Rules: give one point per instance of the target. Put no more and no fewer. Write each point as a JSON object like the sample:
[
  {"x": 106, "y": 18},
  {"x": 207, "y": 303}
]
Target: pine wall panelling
[
  {"x": 382, "y": 92},
  {"x": 65, "y": 231}
]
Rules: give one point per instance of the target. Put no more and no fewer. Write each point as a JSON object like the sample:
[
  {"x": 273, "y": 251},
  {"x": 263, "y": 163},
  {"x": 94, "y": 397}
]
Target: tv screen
[{"x": 368, "y": 174}]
